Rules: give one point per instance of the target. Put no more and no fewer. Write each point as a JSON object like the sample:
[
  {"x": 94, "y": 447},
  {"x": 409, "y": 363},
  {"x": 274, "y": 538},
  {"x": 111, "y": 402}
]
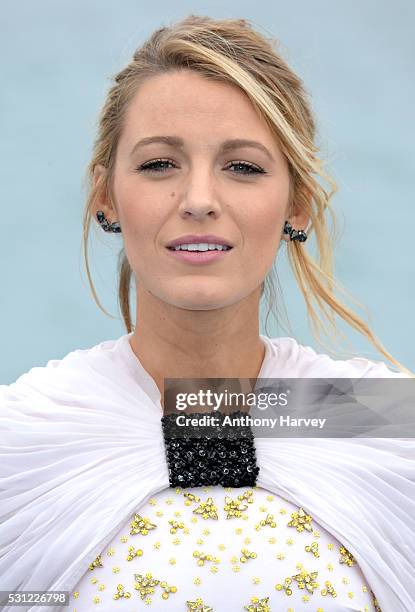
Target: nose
[
  {"x": 199, "y": 200},
  {"x": 199, "y": 210}
]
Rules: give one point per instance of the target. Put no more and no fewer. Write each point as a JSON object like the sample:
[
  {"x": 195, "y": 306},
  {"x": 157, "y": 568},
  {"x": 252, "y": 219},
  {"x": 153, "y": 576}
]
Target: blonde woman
[{"x": 204, "y": 166}]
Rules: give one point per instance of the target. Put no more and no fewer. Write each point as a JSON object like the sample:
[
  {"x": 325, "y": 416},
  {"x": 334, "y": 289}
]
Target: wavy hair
[{"x": 231, "y": 51}]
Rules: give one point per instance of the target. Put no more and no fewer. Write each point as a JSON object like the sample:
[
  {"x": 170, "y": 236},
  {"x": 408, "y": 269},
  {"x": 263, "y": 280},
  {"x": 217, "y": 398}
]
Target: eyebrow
[{"x": 226, "y": 146}]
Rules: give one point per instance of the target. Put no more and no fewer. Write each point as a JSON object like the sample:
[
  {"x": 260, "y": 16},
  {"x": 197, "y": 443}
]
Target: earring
[
  {"x": 299, "y": 235},
  {"x": 106, "y": 225}
]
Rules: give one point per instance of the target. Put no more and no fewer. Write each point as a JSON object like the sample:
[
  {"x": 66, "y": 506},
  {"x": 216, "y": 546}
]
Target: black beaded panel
[{"x": 223, "y": 455}]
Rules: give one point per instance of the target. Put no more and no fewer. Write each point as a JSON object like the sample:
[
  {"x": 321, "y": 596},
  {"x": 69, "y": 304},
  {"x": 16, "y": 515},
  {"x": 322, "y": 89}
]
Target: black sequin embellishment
[{"x": 221, "y": 455}]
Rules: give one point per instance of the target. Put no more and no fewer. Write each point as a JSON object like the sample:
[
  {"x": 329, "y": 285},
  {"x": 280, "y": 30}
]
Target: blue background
[{"x": 356, "y": 60}]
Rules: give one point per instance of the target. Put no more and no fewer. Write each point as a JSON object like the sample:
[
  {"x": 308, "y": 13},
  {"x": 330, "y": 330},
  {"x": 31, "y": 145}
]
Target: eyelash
[{"x": 150, "y": 167}]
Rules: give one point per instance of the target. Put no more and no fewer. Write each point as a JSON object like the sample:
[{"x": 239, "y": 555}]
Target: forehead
[{"x": 189, "y": 103}]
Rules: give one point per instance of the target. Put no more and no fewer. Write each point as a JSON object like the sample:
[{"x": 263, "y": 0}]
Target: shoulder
[
  {"x": 71, "y": 373},
  {"x": 298, "y": 360}
]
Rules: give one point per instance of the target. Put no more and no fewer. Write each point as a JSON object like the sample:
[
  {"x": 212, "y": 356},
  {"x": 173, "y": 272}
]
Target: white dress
[
  {"x": 288, "y": 565},
  {"x": 201, "y": 548}
]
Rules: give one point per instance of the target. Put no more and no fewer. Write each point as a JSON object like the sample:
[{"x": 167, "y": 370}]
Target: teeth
[{"x": 202, "y": 246}]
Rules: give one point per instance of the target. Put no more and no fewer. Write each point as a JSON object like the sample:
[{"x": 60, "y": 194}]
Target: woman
[{"x": 206, "y": 138}]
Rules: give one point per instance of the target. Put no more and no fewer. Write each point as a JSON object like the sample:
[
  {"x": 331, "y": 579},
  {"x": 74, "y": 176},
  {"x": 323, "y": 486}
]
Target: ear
[
  {"x": 299, "y": 219},
  {"x": 102, "y": 199}
]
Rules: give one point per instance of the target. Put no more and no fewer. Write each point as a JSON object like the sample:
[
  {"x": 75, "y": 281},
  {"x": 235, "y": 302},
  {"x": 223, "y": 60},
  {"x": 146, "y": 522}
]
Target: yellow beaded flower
[
  {"x": 207, "y": 509},
  {"x": 96, "y": 563},
  {"x": 234, "y": 508},
  {"x": 247, "y": 555},
  {"x": 269, "y": 520},
  {"x": 132, "y": 553},
  {"x": 306, "y": 580},
  {"x": 328, "y": 590},
  {"x": 175, "y": 525},
  {"x": 258, "y": 605},
  {"x": 198, "y": 605},
  {"x": 145, "y": 584},
  {"x": 203, "y": 557},
  {"x": 300, "y": 520},
  {"x": 121, "y": 593},
  {"x": 346, "y": 557},
  {"x": 313, "y": 548},
  {"x": 286, "y": 586},
  {"x": 141, "y": 525}
]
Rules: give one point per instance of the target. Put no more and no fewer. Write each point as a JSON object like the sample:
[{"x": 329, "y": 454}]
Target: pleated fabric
[{"x": 81, "y": 448}]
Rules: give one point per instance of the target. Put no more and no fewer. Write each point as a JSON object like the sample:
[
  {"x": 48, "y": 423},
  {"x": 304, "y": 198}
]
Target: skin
[{"x": 198, "y": 321}]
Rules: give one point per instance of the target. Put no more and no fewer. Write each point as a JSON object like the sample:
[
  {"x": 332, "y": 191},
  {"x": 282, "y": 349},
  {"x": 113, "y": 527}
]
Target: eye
[
  {"x": 156, "y": 167},
  {"x": 153, "y": 166},
  {"x": 252, "y": 169}
]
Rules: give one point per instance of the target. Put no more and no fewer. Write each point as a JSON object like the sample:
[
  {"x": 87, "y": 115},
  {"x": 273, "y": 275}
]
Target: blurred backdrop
[{"x": 56, "y": 60}]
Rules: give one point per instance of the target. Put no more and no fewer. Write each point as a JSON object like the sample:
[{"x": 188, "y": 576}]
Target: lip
[
  {"x": 202, "y": 258},
  {"x": 195, "y": 239}
]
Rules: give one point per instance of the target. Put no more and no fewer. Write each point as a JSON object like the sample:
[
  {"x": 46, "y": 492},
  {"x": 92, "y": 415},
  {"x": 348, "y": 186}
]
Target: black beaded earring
[
  {"x": 106, "y": 225},
  {"x": 294, "y": 234}
]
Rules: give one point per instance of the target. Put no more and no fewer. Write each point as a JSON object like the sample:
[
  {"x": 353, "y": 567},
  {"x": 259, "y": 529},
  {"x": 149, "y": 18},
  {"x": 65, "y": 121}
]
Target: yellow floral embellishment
[
  {"x": 313, "y": 548},
  {"x": 234, "y": 508},
  {"x": 121, "y": 593},
  {"x": 329, "y": 589},
  {"x": 175, "y": 525},
  {"x": 190, "y": 498},
  {"x": 96, "y": 563},
  {"x": 286, "y": 586},
  {"x": 346, "y": 557},
  {"x": 198, "y": 605},
  {"x": 300, "y": 520},
  {"x": 246, "y": 554},
  {"x": 306, "y": 580},
  {"x": 258, "y": 605},
  {"x": 132, "y": 553},
  {"x": 207, "y": 509},
  {"x": 203, "y": 557},
  {"x": 247, "y": 496},
  {"x": 145, "y": 584},
  {"x": 141, "y": 525},
  {"x": 269, "y": 520}
]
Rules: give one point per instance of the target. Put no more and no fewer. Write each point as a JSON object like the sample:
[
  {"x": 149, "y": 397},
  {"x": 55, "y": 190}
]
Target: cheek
[
  {"x": 142, "y": 217},
  {"x": 263, "y": 230}
]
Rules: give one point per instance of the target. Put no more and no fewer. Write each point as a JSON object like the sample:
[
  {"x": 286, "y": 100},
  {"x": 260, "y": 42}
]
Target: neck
[{"x": 173, "y": 342}]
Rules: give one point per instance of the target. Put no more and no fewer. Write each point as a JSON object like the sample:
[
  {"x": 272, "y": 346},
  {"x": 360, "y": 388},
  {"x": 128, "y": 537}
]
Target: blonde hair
[{"x": 231, "y": 51}]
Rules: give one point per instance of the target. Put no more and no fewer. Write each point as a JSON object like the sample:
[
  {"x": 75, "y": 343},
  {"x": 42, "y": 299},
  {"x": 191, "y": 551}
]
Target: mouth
[{"x": 198, "y": 257}]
